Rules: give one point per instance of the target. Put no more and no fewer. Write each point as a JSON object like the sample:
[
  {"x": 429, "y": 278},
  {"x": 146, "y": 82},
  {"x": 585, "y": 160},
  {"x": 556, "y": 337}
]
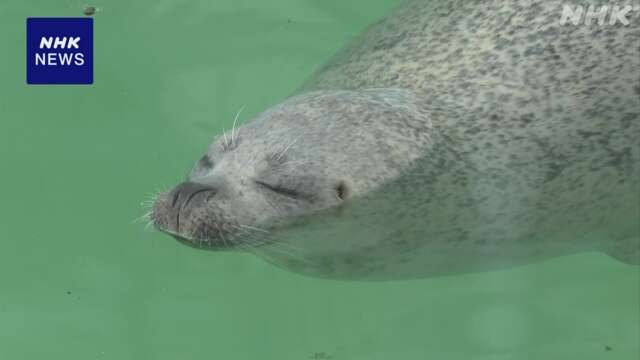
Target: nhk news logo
[{"x": 59, "y": 50}]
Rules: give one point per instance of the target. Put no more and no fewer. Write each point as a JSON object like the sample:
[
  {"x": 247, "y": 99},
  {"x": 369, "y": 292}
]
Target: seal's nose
[{"x": 190, "y": 192}]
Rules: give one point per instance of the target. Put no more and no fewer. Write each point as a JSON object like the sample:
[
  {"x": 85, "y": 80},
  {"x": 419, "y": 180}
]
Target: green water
[{"x": 80, "y": 280}]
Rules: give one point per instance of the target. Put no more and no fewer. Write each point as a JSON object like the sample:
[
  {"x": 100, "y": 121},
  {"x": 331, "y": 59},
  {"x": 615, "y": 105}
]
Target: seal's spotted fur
[{"x": 471, "y": 136}]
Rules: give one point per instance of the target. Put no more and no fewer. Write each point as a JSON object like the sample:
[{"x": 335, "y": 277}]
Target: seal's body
[{"x": 452, "y": 136}]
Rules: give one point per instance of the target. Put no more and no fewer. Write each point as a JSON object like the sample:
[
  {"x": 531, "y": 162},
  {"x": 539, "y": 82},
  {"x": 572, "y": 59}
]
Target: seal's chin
[
  {"x": 217, "y": 241},
  {"x": 203, "y": 244},
  {"x": 212, "y": 242}
]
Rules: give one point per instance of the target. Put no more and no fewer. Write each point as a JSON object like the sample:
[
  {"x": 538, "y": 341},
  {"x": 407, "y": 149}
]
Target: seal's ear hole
[{"x": 342, "y": 190}]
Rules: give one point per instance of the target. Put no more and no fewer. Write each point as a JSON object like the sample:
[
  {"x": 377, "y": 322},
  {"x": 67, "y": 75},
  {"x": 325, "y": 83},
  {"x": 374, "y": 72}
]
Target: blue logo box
[{"x": 59, "y": 50}]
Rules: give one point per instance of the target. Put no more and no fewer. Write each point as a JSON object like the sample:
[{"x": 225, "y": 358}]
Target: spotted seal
[{"x": 451, "y": 136}]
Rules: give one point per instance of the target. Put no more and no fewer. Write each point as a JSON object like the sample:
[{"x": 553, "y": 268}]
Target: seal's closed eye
[{"x": 280, "y": 190}]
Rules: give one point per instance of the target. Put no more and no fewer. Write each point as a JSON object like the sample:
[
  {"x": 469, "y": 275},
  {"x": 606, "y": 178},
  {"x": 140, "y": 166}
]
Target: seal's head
[{"x": 312, "y": 153}]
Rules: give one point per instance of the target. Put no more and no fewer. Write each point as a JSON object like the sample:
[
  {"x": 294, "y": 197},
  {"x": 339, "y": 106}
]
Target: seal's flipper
[{"x": 627, "y": 251}]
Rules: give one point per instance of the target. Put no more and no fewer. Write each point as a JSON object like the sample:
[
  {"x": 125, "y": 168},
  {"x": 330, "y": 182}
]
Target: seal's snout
[
  {"x": 190, "y": 193},
  {"x": 174, "y": 208}
]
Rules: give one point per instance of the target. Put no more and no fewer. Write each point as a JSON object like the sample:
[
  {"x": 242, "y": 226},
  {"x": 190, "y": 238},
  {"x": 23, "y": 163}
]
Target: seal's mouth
[
  {"x": 218, "y": 241},
  {"x": 207, "y": 240}
]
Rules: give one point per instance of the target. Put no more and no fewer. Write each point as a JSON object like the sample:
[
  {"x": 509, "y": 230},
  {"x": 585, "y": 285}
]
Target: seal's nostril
[
  {"x": 176, "y": 195},
  {"x": 193, "y": 194},
  {"x": 183, "y": 193}
]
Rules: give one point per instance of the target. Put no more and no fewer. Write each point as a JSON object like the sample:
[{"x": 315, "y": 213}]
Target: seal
[{"x": 450, "y": 137}]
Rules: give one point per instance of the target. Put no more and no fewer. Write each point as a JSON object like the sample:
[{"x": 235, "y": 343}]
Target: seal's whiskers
[
  {"x": 234, "y": 135},
  {"x": 255, "y": 242},
  {"x": 254, "y": 228},
  {"x": 225, "y": 144}
]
